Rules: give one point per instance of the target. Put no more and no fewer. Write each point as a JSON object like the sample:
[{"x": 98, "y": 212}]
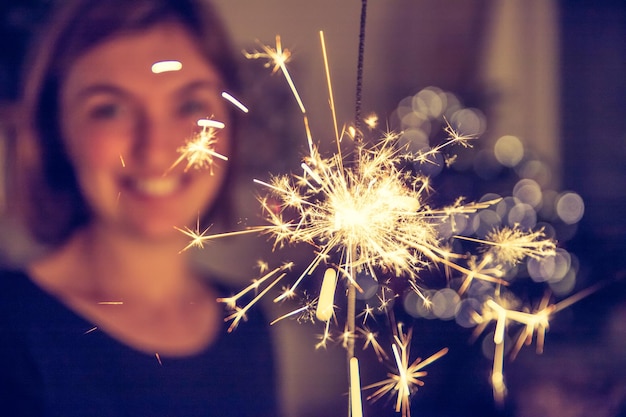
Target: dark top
[{"x": 52, "y": 365}]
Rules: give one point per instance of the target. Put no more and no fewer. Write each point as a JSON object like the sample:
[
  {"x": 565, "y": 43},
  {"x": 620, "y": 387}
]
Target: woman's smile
[{"x": 155, "y": 187}]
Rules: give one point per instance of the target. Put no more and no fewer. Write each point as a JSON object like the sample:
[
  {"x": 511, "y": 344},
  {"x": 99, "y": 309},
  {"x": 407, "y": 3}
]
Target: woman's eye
[
  {"x": 105, "y": 111},
  {"x": 194, "y": 108}
]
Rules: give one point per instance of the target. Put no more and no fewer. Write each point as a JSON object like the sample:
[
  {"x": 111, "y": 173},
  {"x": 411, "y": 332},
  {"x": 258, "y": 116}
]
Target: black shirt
[{"x": 54, "y": 364}]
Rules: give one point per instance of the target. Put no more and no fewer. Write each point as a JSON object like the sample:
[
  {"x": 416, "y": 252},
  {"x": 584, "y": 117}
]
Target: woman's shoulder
[
  {"x": 23, "y": 303},
  {"x": 15, "y": 284},
  {"x": 19, "y": 298},
  {"x": 11, "y": 273}
]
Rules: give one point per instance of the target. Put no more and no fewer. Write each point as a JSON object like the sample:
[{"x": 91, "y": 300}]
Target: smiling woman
[
  {"x": 112, "y": 320},
  {"x": 112, "y": 105},
  {"x": 48, "y": 179}
]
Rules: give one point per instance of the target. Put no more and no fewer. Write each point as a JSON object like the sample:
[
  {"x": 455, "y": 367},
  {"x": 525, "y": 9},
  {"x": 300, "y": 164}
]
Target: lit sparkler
[
  {"x": 367, "y": 211},
  {"x": 363, "y": 211}
]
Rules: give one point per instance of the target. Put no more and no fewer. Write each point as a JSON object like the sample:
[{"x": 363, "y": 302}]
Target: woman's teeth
[{"x": 157, "y": 187}]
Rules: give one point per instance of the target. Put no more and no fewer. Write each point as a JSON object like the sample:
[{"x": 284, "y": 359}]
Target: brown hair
[{"x": 48, "y": 198}]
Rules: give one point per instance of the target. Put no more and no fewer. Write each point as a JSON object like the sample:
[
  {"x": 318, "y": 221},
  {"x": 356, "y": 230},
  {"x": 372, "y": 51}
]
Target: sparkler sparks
[
  {"x": 511, "y": 245},
  {"x": 200, "y": 149},
  {"x": 373, "y": 213},
  {"x": 533, "y": 323},
  {"x": 240, "y": 313},
  {"x": 278, "y": 57},
  {"x": 367, "y": 211},
  {"x": 406, "y": 378},
  {"x": 370, "y": 340},
  {"x": 197, "y": 238},
  {"x": 166, "y": 66},
  {"x": 228, "y": 97}
]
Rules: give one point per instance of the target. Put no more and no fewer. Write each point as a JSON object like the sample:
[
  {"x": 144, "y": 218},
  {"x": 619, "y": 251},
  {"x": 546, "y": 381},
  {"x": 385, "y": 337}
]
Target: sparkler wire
[
  {"x": 351, "y": 313},
  {"x": 359, "y": 72}
]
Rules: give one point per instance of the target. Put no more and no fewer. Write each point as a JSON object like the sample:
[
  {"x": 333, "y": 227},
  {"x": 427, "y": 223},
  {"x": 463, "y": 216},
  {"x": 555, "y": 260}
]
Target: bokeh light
[
  {"x": 570, "y": 207},
  {"x": 509, "y": 150},
  {"x": 530, "y": 204}
]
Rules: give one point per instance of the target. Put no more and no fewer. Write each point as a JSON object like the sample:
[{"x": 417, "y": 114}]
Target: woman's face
[{"x": 123, "y": 126}]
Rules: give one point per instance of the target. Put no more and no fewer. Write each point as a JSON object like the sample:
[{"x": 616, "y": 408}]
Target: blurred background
[{"x": 544, "y": 84}]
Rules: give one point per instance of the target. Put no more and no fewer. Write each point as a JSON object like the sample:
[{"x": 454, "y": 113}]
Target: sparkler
[{"x": 367, "y": 211}]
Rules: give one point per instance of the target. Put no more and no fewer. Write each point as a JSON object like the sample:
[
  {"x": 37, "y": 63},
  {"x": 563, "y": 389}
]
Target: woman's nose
[{"x": 157, "y": 140}]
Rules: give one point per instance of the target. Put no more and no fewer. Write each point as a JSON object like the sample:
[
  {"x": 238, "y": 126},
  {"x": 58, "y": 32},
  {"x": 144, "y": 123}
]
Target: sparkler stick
[
  {"x": 355, "y": 397},
  {"x": 359, "y": 72},
  {"x": 351, "y": 313},
  {"x": 370, "y": 217}
]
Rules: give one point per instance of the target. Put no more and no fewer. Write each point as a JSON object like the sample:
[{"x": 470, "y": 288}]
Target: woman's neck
[
  {"x": 158, "y": 305},
  {"x": 117, "y": 266}
]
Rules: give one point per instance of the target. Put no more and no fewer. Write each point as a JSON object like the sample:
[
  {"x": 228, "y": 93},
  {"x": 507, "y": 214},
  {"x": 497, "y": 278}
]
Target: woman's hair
[{"x": 47, "y": 196}]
